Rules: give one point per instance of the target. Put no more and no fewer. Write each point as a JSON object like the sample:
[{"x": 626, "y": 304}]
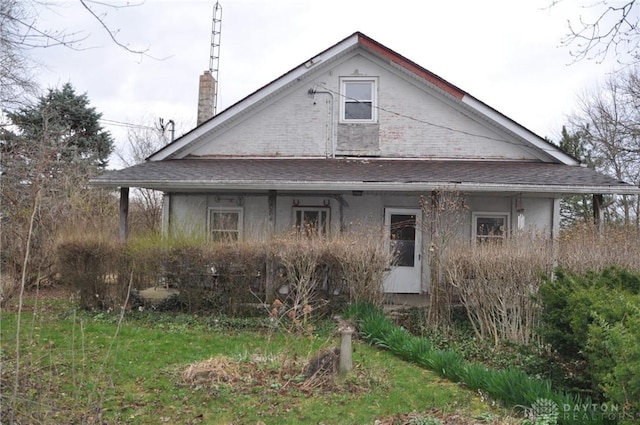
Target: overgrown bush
[
  {"x": 218, "y": 277},
  {"x": 231, "y": 277},
  {"x": 614, "y": 349},
  {"x": 90, "y": 266},
  {"x": 592, "y": 322},
  {"x": 496, "y": 283},
  {"x": 584, "y": 248},
  {"x": 362, "y": 259}
]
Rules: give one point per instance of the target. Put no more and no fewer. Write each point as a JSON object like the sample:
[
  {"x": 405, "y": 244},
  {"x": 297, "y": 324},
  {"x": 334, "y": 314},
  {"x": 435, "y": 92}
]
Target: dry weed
[{"x": 584, "y": 248}]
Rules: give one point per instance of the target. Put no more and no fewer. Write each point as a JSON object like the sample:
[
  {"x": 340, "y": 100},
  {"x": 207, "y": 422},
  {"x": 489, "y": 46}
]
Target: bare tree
[
  {"x": 443, "y": 217},
  {"x": 609, "y": 122},
  {"x": 21, "y": 32},
  {"x": 615, "y": 29},
  {"x": 142, "y": 141}
]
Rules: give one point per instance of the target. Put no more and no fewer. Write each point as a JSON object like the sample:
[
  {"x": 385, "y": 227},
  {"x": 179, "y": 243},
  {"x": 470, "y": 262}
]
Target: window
[
  {"x": 488, "y": 227},
  {"x": 312, "y": 220},
  {"x": 359, "y": 100},
  {"x": 225, "y": 224},
  {"x": 402, "y": 229}
]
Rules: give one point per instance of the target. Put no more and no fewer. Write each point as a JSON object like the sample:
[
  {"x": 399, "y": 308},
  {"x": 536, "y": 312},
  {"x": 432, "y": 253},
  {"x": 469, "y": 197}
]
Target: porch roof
[{"x": 347, "y": 174}]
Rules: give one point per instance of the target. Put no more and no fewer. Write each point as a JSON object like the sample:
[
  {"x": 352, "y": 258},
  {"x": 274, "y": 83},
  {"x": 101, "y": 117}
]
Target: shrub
[
  {"x": 90, "y": 266},
  {"x": 362, "y": 259},
  {"x": 613, "y": 350},
  {"x": 318, "y": 274},
  {"x": 592, "y": 321},
  {"x": 512, "y": 387},
  {"x": 585, "y": 248},
  {"x": 496, "y": 283}
]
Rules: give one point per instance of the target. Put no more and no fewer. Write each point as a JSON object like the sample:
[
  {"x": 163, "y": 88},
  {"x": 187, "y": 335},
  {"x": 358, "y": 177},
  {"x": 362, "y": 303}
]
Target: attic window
[{"x": 358, "y": 100}]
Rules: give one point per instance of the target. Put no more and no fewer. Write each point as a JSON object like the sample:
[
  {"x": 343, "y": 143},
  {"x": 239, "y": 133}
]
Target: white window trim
[
  {"x": 240, "y": 212},
  {"x": 344, "y": 99},
  {"x": 318, "y": 209},
  {"x": 474, "y": 223}
]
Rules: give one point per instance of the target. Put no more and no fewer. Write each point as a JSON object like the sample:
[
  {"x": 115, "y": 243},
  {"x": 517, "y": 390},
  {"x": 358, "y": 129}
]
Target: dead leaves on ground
[{"x": 279, "y": 374}]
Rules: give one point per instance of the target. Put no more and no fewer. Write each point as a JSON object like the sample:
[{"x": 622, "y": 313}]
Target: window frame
[
  {"x": 301, "y": 209},
  {"x": 344, "y": 99},
  {"x": 485, "y": 238},
  {"x": 240, "y": 229}
]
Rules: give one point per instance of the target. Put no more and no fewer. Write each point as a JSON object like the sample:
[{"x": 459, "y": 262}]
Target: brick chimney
[{"x": 206, "y": 95}]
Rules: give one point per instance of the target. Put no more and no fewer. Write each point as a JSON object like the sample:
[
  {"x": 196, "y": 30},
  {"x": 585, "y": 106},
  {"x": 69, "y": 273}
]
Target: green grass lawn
[{"x": 77, "y": 367}]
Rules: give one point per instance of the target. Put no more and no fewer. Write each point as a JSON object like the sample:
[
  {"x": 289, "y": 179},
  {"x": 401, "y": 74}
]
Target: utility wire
[
  {"x": 444, "y": 127},
  {"x": 125, "y": 124}
]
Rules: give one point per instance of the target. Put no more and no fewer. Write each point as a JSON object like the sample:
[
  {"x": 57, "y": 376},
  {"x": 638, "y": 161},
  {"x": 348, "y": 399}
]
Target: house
[{"x": 359, "y": 133}]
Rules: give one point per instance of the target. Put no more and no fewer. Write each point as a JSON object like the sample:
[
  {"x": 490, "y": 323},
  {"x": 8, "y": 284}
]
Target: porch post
[
  {"x": 270, "y": 266},
  {"x": 598, "y": 212},
  {"x": 555, "y": 231},
  {"x": 124, "y": 213}
]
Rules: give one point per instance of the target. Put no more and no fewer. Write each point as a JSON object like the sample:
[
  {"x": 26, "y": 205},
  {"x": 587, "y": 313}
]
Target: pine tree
[
  {"x": 576, "y": 208},
  {"x": 49, "y": 151}
]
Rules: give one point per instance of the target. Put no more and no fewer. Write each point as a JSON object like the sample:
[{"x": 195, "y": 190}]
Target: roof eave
[{"x": 194, "y": 185}]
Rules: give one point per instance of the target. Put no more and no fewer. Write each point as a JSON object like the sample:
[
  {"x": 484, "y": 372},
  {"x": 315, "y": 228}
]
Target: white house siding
[
  {"x": 347, "y": 210},
  {"x": 294, "y": 123}
]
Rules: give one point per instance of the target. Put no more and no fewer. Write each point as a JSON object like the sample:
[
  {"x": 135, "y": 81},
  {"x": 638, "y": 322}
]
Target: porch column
[
  {"x": 124, "y": 213},
  {"x": 598, "y": 212},
  {"x": 270, "y": 266},
  {"x": 555, "y": 231}
]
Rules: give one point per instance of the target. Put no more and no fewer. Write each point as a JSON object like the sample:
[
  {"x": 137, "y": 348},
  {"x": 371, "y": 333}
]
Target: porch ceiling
[{"x": 342, "y": 174}]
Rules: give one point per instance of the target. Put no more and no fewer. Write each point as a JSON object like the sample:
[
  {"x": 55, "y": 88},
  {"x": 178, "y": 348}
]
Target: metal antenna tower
[{"x": 214, "y": 55}]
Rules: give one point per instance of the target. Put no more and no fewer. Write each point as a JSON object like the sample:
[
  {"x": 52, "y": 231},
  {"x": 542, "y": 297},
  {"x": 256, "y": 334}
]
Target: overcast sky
[{"x": 506, "y": 53}]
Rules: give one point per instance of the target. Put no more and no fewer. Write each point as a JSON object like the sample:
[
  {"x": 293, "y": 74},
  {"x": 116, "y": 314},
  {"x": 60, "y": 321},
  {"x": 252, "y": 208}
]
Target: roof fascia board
[
  {"x": 411, "y": 66},
  {"x": 254, "y": 98},
  {"x": 368, "y": 186}
]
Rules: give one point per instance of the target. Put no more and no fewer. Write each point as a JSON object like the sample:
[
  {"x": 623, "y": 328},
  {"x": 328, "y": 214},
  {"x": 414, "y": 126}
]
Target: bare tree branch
[
  {"x": 614, "y": 31},
  {"x": 21, "y": 29},
  {"x": 111, "y": 33}
]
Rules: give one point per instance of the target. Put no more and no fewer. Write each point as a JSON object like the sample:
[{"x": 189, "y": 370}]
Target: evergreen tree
[
  {"x": 576, "y": 208},
  {"x": 48, "y": 153}
]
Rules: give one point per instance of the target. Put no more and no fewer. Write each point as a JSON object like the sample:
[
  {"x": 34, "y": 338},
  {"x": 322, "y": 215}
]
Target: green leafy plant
[
  {"x": 589, "y": 319},
  {"x": 512, "y": 387}
]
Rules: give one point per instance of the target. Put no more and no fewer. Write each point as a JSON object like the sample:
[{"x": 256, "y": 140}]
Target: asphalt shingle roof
[{"x": 352, "y": 174}]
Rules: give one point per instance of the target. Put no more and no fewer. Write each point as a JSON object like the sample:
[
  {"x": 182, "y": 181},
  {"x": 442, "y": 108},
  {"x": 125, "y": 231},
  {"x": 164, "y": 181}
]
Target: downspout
[{"x": 312, "y": 92}]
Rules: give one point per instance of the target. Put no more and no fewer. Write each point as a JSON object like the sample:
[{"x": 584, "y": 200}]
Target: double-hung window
[
  {"x": 490, "y": 227},
  {"x": 312, "y": 221},
  {"x": 359, "y": 100},
  {"x": 225, "y": 224}
]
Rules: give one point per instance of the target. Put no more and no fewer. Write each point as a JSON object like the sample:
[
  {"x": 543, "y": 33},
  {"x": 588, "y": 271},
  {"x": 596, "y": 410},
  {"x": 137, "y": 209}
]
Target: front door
[{"x": 405, "y": 239}]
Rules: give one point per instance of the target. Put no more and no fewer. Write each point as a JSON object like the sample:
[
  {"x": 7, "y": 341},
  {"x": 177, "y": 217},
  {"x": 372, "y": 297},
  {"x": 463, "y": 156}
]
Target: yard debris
[
  {"x": 321, "y": 368},
  {"x": 277, "y": 373},
  {"x": 216, "y": 370}
]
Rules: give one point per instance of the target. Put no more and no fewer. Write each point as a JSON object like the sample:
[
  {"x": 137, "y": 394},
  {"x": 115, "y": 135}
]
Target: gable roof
[
  {"x": 167, "y": 170},
  {"x": 322, "y": 174},
  {"x": 357, "y": 40}
]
